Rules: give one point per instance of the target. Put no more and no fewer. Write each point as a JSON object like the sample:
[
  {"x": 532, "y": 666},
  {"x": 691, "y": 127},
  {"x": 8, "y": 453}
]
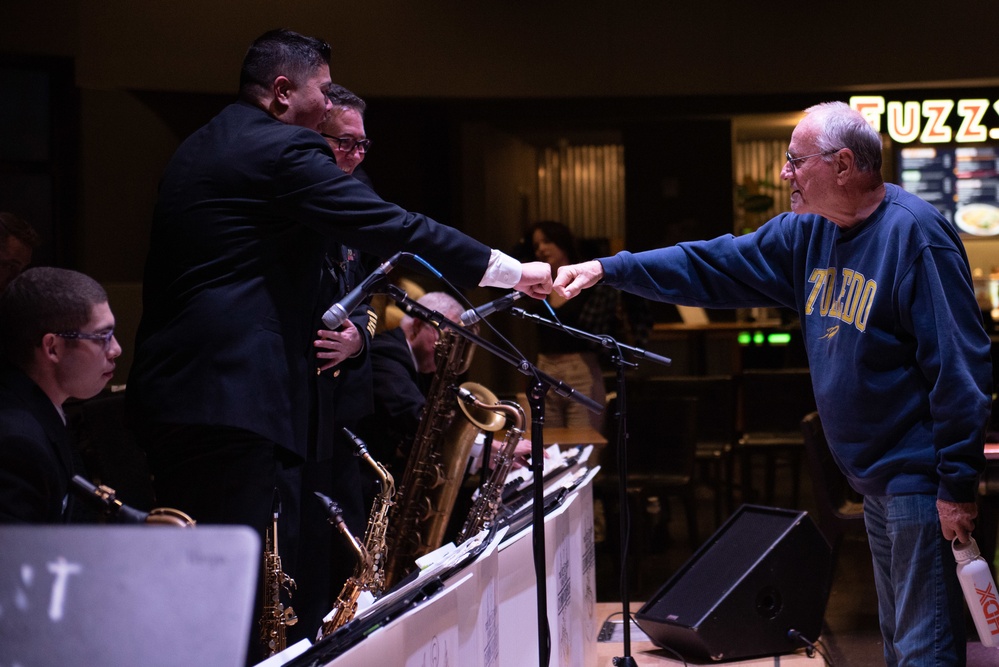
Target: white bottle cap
[{"x": 967, "y": 551}]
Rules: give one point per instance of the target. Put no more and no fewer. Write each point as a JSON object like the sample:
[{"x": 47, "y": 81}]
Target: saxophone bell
[{"x": 475, "y": 401}]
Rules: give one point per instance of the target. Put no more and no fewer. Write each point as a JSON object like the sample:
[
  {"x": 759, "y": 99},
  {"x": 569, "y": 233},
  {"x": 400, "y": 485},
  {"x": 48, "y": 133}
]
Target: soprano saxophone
[
  {"x": 276, "y": 617},
  {"x": 369, "y": 573},
  {"x": 490, "y": 500}
]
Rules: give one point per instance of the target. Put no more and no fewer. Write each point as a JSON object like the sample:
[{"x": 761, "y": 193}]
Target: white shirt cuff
[{"x": 502, "y": 271}]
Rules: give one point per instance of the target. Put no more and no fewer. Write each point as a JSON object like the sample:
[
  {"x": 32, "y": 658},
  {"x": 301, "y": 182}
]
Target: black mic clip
[{"x": 105, "y": 499}]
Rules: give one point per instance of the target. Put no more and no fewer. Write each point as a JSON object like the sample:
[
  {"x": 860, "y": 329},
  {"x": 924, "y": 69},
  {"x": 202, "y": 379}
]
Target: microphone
[
  {"x": 340, "y": 311},
  {"x": 473, "y": 315}
]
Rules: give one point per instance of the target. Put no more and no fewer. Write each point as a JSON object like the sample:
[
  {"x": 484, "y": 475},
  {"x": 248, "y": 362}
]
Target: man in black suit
[
  {"x": 57, "y": 333},
  {"x": 219, "y": 387}
]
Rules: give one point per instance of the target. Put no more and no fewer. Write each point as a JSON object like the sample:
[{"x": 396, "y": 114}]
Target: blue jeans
[{"x": 920, "y": 603}]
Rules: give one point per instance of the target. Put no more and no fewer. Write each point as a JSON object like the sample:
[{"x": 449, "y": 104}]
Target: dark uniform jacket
[{"x": 246, "y": 209}]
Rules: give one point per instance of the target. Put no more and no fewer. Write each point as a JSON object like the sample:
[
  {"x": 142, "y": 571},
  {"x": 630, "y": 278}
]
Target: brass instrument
[
  {"x": 490, "y": 500},
  {"x": 346, "y": 603},
  {"x": 437, "y": 461},
  {"x": 276, "y": 617},
  {"x": 369, "y": 573},
  {"x": 107, "y": 500}
]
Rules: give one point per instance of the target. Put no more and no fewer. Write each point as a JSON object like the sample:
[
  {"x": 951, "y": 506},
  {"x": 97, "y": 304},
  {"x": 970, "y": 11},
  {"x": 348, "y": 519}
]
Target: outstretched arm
[
  {"x": 573, "y": 279},
  {"x": 535, "y": 279}
]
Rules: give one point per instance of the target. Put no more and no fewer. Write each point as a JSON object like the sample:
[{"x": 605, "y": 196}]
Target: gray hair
[
  {"x": 443, "y": 303},
  {"x": 843, "y": 127}
]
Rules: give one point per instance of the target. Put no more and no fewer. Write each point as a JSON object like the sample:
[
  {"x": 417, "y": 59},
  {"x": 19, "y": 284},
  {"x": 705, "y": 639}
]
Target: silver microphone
[
  {"x": 473, "y": 315},
  {"x": 341, "y": 310}
]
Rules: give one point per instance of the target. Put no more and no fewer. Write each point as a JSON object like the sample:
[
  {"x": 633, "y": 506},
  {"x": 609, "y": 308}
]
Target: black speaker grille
[{"x": 697, "y": 589}]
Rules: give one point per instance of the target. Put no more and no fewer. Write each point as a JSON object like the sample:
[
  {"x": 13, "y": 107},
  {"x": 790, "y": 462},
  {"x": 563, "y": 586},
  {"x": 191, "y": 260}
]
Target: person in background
[
  {"x": 600, "y": 312},
  {"x": 219, "y": 391},
  {"x": 895, "y": 341},
  {"x": 343, "y": 130},
  {"x": 18, "y": 241},
  {"x": 403, "y": 363},
  {"x": 57, "y": 338}
]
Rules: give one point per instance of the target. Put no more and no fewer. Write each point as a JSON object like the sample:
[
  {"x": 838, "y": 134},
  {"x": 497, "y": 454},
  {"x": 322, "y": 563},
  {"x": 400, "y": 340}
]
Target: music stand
[{"x": 622, "y": 450}]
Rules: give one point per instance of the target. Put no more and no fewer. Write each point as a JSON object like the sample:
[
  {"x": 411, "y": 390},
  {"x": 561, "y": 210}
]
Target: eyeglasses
[
  {"x": 347, "y": 144},
  {"x": 105, "y": 337},
  {"x": 791, "y": 160}
]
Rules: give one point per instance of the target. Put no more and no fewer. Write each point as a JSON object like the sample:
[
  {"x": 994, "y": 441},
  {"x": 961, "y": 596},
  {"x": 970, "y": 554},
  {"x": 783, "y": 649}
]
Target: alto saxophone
[
  {"x": 436, "y": 464},
  {"x": 490, "y": 500},
  {"x": 276, "y": 617},
  {"x": 105, "y": 498},
  {"x": 369, "y": 573}
]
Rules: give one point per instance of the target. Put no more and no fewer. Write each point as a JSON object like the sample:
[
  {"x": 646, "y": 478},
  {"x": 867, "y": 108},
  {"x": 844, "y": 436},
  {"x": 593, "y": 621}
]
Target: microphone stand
[
  {"x": 622, "y": 452},
  {"x": 541, "y": 382}
]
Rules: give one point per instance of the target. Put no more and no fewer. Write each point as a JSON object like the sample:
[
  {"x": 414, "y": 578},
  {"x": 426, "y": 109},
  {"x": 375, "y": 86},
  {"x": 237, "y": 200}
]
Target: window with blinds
[
  {"x": 760, "y": 194},
  {"x": 582, "y": 186}
]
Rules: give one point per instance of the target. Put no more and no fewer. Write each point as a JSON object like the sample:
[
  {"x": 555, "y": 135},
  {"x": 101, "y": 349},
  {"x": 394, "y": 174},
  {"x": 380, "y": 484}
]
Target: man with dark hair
[
  {"x": 899, "y": 356},
  {"x": 57, "y": 333},
  {"x": 18, "y": 241},
  {"x": 246, "y": 208}
]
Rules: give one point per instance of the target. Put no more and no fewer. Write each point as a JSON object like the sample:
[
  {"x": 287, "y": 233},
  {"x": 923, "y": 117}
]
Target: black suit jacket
[
  {"x": 245, "y": 211},
  {"x": 36, "y": 457},
  {"x": 399, "y": 396}
]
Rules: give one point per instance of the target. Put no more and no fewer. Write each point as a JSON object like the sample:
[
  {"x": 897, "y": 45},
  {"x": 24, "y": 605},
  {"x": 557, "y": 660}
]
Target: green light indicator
[
  {"x": 782, "y": 338},
  {"x": 744, "y": 338},
  {"x": 758, "y": 338}
]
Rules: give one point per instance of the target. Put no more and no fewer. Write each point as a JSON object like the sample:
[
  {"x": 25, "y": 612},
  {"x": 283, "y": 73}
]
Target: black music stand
[{"x": 622, "y": 450}]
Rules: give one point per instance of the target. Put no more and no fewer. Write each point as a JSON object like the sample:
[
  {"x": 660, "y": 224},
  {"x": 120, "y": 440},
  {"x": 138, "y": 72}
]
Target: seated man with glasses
[{"x": 57, "y": 339}]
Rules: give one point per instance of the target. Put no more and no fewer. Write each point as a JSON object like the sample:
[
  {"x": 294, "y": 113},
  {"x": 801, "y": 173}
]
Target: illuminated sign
[{"x": 937, "y": 121}]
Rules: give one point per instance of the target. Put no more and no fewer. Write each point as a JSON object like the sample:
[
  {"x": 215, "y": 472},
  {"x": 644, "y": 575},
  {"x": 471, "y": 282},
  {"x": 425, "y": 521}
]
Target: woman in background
[{"x": 564, "y": 357}]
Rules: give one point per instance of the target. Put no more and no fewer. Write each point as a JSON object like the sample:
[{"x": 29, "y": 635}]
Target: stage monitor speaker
[{"x": 765, "y": 573}]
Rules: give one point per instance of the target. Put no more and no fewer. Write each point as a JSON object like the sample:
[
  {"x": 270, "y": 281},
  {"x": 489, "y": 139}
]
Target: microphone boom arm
[
  {"x": 603, "y": 341},
  {"x": 414, "y": 308}
]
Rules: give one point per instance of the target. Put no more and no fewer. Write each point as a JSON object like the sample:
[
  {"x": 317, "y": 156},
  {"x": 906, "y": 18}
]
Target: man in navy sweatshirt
[{"x": 899, "y": 357}]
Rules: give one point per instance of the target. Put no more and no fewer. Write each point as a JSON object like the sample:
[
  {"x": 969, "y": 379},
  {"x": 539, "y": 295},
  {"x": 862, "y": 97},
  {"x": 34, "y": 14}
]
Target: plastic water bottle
[{"x": 979, "y": 590}]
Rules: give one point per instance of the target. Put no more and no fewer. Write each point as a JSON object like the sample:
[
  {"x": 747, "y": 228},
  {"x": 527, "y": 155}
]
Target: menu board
[{"x": 962, "y": 182}]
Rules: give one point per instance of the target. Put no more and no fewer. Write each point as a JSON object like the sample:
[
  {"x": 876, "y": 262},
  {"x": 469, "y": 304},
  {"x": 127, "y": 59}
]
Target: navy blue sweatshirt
[{"x": 900, "y": 361}]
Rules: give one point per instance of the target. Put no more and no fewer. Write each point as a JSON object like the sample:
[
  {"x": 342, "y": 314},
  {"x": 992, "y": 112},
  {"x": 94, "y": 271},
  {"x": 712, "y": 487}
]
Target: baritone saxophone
[{"x": 437, "y": 461}]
